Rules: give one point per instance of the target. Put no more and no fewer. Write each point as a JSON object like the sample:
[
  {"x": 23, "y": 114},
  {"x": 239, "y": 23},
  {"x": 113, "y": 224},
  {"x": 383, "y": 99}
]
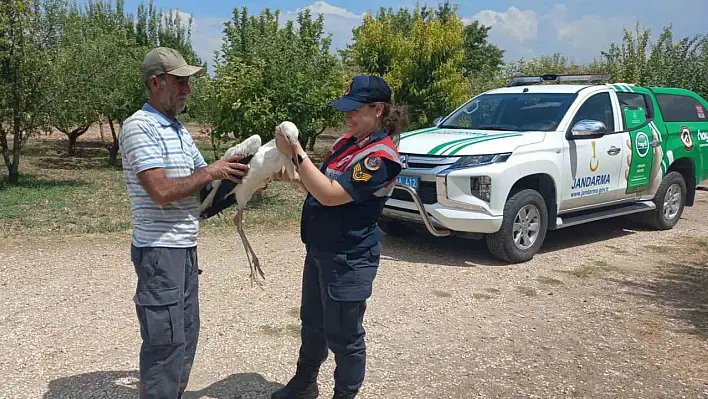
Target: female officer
[{"x": 345, "y": 198}]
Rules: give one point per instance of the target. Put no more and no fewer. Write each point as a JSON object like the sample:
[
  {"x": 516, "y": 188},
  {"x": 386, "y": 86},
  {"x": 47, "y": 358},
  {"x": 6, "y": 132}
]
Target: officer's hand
[{"x": 228, "y": 168}]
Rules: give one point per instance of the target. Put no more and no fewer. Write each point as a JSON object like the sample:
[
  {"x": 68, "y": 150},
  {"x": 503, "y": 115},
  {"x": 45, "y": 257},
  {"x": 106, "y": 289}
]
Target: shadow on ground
[
  {"x": 123, "y": 384},
  {"x": 421, "y": 247},
  {"x": 680, "y": 287}
]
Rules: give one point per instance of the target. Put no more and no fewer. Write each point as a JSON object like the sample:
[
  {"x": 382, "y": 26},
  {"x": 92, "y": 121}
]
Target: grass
[
  {"x": 527, "y": 291},
  {"x": 591, "y": 269},
  {"x": 290, "y": 330},
  {"x": 549, "y": 281},
  {"x": 442, "y": 294},
  {"x": 81, "y": 194}
]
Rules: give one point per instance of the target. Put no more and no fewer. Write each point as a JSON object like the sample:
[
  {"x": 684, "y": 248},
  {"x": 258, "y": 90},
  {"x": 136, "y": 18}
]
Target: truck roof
[{"x": 552, "y": 88}]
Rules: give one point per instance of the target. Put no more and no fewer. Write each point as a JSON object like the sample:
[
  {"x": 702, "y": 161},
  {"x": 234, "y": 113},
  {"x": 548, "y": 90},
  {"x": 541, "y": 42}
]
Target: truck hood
[{"x": 458, "y": 142}]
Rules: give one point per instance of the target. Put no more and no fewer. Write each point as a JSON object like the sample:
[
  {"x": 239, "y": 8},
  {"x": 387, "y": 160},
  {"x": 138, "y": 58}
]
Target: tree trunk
[
  {"x": 214, "y": 145},
  {"x": 311, "y": 143},
  {"x": 312, "y": 140},
  {"x": 73, "y": 135},
  {"x": 113, "y": 147},
  {"x": 14, "y": 168},
  {"x": 5, "y": 150},
  {"x": 100, "y": 129},
  {"x": 14, "y": 173}
]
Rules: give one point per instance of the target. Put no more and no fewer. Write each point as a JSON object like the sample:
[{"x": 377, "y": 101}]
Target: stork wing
[{"x": 246, "y": 147}]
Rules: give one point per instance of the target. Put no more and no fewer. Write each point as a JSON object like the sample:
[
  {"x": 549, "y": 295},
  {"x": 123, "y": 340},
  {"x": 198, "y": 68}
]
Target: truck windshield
[{"x": 512, "y": 112}]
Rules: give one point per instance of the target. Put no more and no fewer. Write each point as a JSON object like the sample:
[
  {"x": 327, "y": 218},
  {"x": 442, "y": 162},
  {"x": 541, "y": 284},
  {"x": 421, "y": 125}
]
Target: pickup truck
[{"x": 545, "y": 153}]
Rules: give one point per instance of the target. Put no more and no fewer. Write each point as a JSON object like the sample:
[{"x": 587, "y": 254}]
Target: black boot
[
  {"x": 302, "y": 386},
  {"x": 339, "y": 394}
]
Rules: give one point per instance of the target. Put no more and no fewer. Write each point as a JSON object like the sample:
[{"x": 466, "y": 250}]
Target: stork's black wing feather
[{"x": 221, "y": 200}]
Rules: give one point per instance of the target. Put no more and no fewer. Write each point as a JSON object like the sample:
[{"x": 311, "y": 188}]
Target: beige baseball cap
[{"x": 166, "y": 60}]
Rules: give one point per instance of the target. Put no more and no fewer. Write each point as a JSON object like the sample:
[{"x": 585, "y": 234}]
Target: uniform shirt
[
  {"x": 367, "y": 171},
  {"x": 150, "y": 140}
]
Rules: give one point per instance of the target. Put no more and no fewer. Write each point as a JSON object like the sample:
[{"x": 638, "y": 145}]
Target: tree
[
  {"x": 666, "y": 62},
  {"x": 27, "y": 49},
  {"x": 265, "y": 74},
  {"x": 482, "y": 59},
  {"x": 420, "y": 54}
]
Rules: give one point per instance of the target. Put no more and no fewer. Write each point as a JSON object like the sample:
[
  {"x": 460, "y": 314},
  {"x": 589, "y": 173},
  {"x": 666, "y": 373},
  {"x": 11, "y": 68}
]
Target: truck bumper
[{"x": 440, "y": 220}]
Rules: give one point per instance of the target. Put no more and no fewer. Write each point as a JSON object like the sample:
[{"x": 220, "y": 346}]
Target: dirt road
[{"x": 607, "y": 310}]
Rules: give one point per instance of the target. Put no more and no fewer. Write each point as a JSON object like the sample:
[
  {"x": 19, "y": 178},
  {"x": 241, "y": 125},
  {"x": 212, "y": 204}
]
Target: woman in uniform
[{"x": 345, "y": 198}]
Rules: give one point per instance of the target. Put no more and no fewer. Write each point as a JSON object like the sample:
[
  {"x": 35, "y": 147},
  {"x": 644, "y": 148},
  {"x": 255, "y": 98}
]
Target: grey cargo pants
[{"x": 167, "y": 305}]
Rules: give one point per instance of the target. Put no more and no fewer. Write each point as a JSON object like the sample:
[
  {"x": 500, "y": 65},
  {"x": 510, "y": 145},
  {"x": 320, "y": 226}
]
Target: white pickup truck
[{"x": 515, "y": 161}]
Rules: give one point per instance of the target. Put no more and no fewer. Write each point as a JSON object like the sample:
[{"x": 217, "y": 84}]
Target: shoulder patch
[
  {"x": 372, "y": 163},
  {"x": 359, "y": 175}
]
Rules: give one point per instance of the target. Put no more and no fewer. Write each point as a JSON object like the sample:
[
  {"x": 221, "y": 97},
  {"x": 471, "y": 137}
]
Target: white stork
[{"x": 264, "y": 162}]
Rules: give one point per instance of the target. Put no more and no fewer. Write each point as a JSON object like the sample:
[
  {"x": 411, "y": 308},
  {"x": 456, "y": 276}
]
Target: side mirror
[
  {"x": 437, "y": 121},
  {"x": 588, "y": 129}
]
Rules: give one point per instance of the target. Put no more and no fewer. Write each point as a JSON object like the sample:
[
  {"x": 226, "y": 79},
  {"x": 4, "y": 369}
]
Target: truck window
[
  {"x": 679, "y": 108},
  {"x": 598, "y": 108},
  {"x": 512, "y": 111},
  {"x": 636, "y": 100}
]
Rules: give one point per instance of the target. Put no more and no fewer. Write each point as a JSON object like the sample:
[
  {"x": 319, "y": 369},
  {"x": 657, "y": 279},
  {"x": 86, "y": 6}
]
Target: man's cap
[
  {"x": 166, "y": 60},
  {"x": 363, "y": 89}
]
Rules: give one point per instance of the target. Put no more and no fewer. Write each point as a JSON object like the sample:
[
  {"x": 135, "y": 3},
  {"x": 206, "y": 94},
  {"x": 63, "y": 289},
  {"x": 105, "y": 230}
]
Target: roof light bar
[{"x": 529, "y": 80}]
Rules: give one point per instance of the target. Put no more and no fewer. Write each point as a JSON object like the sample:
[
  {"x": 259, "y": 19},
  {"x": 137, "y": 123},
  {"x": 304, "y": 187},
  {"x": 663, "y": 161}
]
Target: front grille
[
  {"x": 426, "y": 191},
  {"x": 427, "y": 161}
]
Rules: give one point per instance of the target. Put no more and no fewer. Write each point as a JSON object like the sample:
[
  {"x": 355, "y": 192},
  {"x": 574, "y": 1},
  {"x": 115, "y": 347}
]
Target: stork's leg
[
  {"x": 238, "y": 221},
  {"x": 255, "y": 265}
]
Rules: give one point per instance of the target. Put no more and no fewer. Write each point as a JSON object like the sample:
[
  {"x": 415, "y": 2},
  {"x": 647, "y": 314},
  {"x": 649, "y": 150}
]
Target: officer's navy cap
[{"x": 364, "y": 89}]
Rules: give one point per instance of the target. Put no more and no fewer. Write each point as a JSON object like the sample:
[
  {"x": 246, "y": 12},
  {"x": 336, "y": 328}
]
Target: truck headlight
[
  {"x": 468, "y": 161},
  {"x": 481, "y": 187}
]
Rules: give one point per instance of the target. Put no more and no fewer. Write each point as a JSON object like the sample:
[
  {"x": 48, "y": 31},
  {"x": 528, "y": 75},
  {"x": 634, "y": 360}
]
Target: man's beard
[{"x": 171, "y": 104}]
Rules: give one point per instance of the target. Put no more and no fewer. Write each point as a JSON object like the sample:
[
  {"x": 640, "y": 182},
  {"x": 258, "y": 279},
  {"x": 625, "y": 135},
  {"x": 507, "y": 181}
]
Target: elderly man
[{"x": 164, "y": 172}]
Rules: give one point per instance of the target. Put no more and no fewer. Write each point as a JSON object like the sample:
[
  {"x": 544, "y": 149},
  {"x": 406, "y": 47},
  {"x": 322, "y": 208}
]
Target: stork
[{"x": 264, "y": 162}]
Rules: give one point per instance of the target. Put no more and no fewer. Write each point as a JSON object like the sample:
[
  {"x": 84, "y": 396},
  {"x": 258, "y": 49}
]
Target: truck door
[
  {"x": 642, "y": 159},
  {"x": 592, "y": 166}
]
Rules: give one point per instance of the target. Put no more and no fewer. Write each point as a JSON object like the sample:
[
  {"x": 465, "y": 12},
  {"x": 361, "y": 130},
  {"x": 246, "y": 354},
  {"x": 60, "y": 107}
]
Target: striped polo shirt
[{"x": 150, "y": 140}]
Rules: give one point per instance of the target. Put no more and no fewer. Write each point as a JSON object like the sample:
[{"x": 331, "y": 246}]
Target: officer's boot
[
  {"x": 302, "y": 386},
  {"x": 341, "y": 394}
]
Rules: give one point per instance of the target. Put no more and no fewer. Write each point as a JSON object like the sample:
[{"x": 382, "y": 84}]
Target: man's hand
[
  {"x": 228, "y": 169},
  {"x": 163, "y": 190}
]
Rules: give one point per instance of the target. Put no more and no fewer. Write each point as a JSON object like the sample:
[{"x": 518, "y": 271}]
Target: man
[{"x": 164, "y": 171}]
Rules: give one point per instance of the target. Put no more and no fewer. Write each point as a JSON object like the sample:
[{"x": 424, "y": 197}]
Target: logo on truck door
[
  {"x": 594, "y": 161},
  {"x": 642, "y": 143},
  {"x": 686, "y": 138}
]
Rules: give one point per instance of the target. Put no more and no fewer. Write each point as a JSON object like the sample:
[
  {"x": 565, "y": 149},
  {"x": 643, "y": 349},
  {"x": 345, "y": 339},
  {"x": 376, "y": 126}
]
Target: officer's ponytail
[{"x": 394, "y": 119}]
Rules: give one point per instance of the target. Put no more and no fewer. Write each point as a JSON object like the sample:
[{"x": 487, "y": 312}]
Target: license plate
[{"x": 408, "y": 181}]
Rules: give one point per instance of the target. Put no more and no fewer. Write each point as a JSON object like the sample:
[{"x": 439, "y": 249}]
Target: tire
[
  {"x": 668, "y": 210},
  {"x": 502, "y": 245},
  {"x": 392, "y": 227}
]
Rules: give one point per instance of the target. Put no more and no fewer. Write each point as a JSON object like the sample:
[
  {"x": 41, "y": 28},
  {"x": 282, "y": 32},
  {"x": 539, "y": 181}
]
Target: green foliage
[
  {"x": 27, "y": 48},
  {"x": 666, "y": 62},
  {"x": 265, "y": 74},
  {"x": 426, "y": 55}
]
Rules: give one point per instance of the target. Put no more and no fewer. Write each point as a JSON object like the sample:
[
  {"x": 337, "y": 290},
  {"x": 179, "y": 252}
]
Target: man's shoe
[{"x": 297, "y": 390}]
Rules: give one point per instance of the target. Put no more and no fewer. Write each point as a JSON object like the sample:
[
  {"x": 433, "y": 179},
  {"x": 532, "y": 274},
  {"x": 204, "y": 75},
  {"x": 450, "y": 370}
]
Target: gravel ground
[{"x": 606, "y": 310}]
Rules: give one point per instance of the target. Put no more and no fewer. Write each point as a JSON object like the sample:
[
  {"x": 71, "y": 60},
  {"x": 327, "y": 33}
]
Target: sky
[{"x": 579, "y": 29}]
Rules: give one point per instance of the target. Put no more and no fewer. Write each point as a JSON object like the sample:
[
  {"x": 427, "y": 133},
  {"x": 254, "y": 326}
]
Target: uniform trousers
[
  {"x": 335, "y": 287},
  {"x": 167, "y": 306}
]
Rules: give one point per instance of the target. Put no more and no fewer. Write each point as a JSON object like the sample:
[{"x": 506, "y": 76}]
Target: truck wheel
[
  {"x": 392, "y": 227},
  {"x": 669, "y": 201},
  {"x": 523, "y": 228}
]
